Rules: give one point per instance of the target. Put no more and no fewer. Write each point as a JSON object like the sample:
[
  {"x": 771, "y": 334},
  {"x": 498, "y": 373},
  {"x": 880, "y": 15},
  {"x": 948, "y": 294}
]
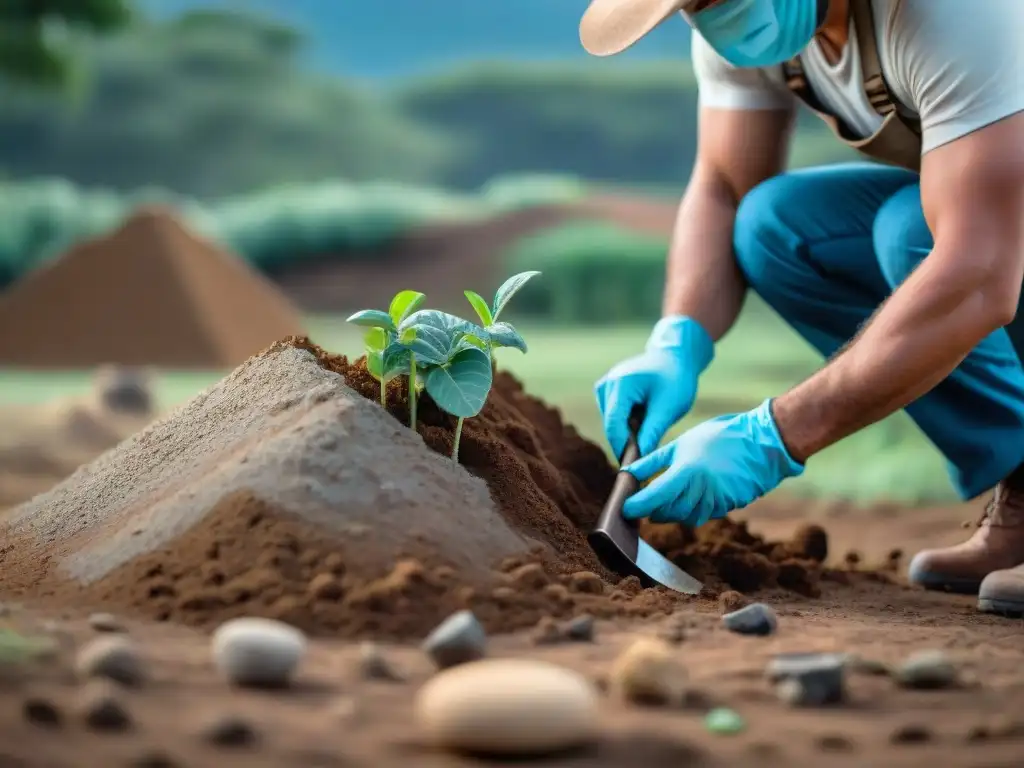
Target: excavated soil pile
[
  {"x": 551, "y": 481},
  {"x": 282, "y": 492},
  {"x": 150, "y": 293}
]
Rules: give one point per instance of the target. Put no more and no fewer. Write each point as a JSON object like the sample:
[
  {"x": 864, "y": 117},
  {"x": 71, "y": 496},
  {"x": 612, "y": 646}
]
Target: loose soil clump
[
  {"x": 548, "y": 479},
  {"x": 285, "y": 491}
]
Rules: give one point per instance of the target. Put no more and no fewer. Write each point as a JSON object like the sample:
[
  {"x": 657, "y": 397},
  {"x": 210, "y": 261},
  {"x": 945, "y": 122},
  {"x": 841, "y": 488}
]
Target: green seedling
[
  {"x": 382, "y": 332},
  {"x": 450, "y": 352},
  {"x": 500, "y": 334}
]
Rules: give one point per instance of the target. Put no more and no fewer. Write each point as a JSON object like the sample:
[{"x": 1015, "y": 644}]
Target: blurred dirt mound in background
[
  {"x": 444, "y": 259},
  {"x": 150, "y": 293},
  {"x": 41, "y": 444}
]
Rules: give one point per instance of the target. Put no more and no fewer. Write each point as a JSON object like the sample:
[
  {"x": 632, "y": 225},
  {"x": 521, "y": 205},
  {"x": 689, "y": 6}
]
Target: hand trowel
[{"x": 616, "y": 541}]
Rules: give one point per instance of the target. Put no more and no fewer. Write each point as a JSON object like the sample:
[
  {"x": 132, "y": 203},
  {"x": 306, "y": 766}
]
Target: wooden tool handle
[{"x": 611, "y": 522}]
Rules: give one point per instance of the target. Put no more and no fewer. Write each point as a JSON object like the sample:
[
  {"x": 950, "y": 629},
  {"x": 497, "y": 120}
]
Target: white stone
[
  {"x": 257, "y": 652},
  {"x": 508, "y": 707}
]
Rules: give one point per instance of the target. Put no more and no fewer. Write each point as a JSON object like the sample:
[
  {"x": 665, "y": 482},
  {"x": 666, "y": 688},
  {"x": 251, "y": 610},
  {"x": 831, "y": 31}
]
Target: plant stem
[
  {"x": 412, "y": 392},
  {"x": 383, "y": 394},
  {"x": 458, "y": 436}
]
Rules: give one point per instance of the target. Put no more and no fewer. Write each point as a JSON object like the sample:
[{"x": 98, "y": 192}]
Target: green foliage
[
  {"x": 271, "y": 229},
  {"x": 595, "y": 273},
  {"x": 37, "y": 36},
  {"x": 499, "y": 334},
  {"x": 215, "y": 104},
  {"x": 461, "y": 386}
]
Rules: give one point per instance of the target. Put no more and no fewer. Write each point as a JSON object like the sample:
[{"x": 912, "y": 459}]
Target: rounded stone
[
  {"x": 512, "y": 707},
  {"x": 649, "y": 672},
  {"x": 257, "y": 652}
]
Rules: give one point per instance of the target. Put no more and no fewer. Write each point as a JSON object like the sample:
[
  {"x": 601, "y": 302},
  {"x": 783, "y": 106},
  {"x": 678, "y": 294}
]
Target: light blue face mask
[{"x": 759, "y": 33}]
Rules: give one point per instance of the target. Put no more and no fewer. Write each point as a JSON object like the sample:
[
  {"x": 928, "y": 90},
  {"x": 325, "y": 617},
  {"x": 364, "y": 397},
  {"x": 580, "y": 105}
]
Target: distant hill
[{"x": 399, "y": 38}]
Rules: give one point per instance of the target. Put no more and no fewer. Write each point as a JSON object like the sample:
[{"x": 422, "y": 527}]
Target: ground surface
[{"x": 333, "y": 717}]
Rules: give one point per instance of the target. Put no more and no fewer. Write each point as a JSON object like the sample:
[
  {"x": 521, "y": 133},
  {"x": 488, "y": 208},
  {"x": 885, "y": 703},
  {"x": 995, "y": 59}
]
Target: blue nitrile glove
[
  {"x": 723, "y": 464},
  {"x": 663, "y": 380}
]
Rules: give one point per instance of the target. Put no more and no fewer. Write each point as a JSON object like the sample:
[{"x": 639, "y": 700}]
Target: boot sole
[
  {"x": 1009, "y": 608},
  {"x": 936, "y": 583}
]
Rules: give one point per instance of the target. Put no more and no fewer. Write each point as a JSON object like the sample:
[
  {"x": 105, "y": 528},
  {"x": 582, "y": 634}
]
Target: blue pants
[{"x": 825, "y": 246}]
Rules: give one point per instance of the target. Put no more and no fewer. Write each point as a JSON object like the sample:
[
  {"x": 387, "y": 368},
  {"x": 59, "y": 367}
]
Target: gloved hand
[
  {"x": 663, "y": 379},
  {"x": 723, "y": 464}
]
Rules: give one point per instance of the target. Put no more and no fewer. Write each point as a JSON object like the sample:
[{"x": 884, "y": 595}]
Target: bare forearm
[
  {"x": 703, "y": 279},
  {"x": 928, "y": 326}
]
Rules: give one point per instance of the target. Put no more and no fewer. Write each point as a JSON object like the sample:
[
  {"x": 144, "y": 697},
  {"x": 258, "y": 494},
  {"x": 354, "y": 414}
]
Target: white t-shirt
[{"x": 957, "y": 64}]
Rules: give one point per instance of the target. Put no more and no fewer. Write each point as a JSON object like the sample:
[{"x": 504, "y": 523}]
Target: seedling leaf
[
  {"x": 504, "y": 335},
  {"x": 375, "y": 363},
  {"x": 395, "y": 361},
  {"x": 480, "y": 305},
  {"x": 404, "y": 304},
  {"x": 431, "y": 345},
  {"x": 507, "y": 290},
  {"x": 453, "y": 327},
  {"x": 461, "y": 387},
  {"x": 376, "y": 340},
  {"x": 373, "y": 318}
]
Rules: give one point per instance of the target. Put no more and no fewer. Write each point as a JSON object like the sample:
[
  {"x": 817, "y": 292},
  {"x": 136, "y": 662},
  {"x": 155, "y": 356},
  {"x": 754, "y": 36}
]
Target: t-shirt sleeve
[
  {"x": 961, "y": 64},
  {"x": 724, "y": 86}
]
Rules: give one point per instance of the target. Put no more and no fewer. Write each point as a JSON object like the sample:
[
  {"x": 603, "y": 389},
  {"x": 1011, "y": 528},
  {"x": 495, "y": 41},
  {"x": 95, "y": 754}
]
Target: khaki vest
[{"x": 898, "y": 140}]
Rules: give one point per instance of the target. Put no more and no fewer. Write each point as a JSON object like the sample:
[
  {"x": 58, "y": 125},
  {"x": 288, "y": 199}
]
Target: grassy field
[{"x": 759, "y": 358}]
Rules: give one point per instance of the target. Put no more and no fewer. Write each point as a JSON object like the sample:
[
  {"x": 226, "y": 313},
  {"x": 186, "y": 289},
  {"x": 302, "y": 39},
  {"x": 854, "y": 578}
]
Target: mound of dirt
[
  {"x": 150, "y": 293},
  {"x": 282, "y": 492},
  {"x": 549, "y": 480}
]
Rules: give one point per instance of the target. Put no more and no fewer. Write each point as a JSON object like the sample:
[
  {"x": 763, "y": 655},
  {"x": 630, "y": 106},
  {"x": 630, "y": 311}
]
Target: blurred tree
[{"x": 34, "y": 34}]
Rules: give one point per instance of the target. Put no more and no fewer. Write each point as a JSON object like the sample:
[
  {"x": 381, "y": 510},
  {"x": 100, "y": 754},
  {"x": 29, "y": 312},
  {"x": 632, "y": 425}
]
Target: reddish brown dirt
[
  {"x": 150, "y": 293},
  {"x": 552, "y": 483},
  {"x": 432, "y": 257}
]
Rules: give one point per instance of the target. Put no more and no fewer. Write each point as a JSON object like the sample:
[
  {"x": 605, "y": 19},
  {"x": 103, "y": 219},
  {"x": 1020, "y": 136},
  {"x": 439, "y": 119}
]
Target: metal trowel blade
[{"x": 660, "y": 569}]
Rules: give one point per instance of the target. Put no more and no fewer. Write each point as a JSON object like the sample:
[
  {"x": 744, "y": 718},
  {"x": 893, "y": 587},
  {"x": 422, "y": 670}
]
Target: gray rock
[
  {"x": 255, "y": 652},
  {"x": 458, "y": 639},
  {"x": 929, "y": 670},
  {"x": 105, "y": 622},
  {"x": 580, "y": 629},
  {"x": 229, "y": 731},
  {"x": 755, "y": 619},
  {"x": 810, "y": 679},
  {"x": 102, "y": 709},
  {"x": 374, "y": 666},
  {"x": 114, "y": 657}
]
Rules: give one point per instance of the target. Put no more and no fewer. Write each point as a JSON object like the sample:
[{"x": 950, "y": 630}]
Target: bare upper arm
[
  {"x": 972, "y": 191},
  {"x": 742, "y": 147}
]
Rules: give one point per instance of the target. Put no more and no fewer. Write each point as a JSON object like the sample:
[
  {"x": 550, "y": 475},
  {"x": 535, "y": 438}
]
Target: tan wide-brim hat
[{"x": 611, "y": 26}]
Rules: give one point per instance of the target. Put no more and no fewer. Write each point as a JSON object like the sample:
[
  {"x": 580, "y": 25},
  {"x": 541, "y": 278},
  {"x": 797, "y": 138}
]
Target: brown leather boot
[
  {"x": 1002, "y": 592},
  {"x": 997, "y": 545}
]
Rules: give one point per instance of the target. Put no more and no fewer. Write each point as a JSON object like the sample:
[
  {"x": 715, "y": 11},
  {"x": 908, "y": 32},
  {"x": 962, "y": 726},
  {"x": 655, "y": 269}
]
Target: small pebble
[
  {"x": 580, "y": 629},
  {"x": 649, "y": 672},
  {"x": 114, "y": 657},
  {"x": 229, "y": 731},
  {"x": 809, "y": 679},
  {"x": 910, "y": 734},
  {"x": 724, "y": 721},
  {"x": 756, "y": 619},
  {"x": 508, "y": 707},
  {"x": 41, "y": 711},
  {"x": 256, "y": 652},
  {"x": 105, "y": 622},
  {"x": 927, "y": 670},
  {"x": 373, "y": 665},
  {"x": 457, "y": 640},
  {"x": 101, "y": 708}
]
